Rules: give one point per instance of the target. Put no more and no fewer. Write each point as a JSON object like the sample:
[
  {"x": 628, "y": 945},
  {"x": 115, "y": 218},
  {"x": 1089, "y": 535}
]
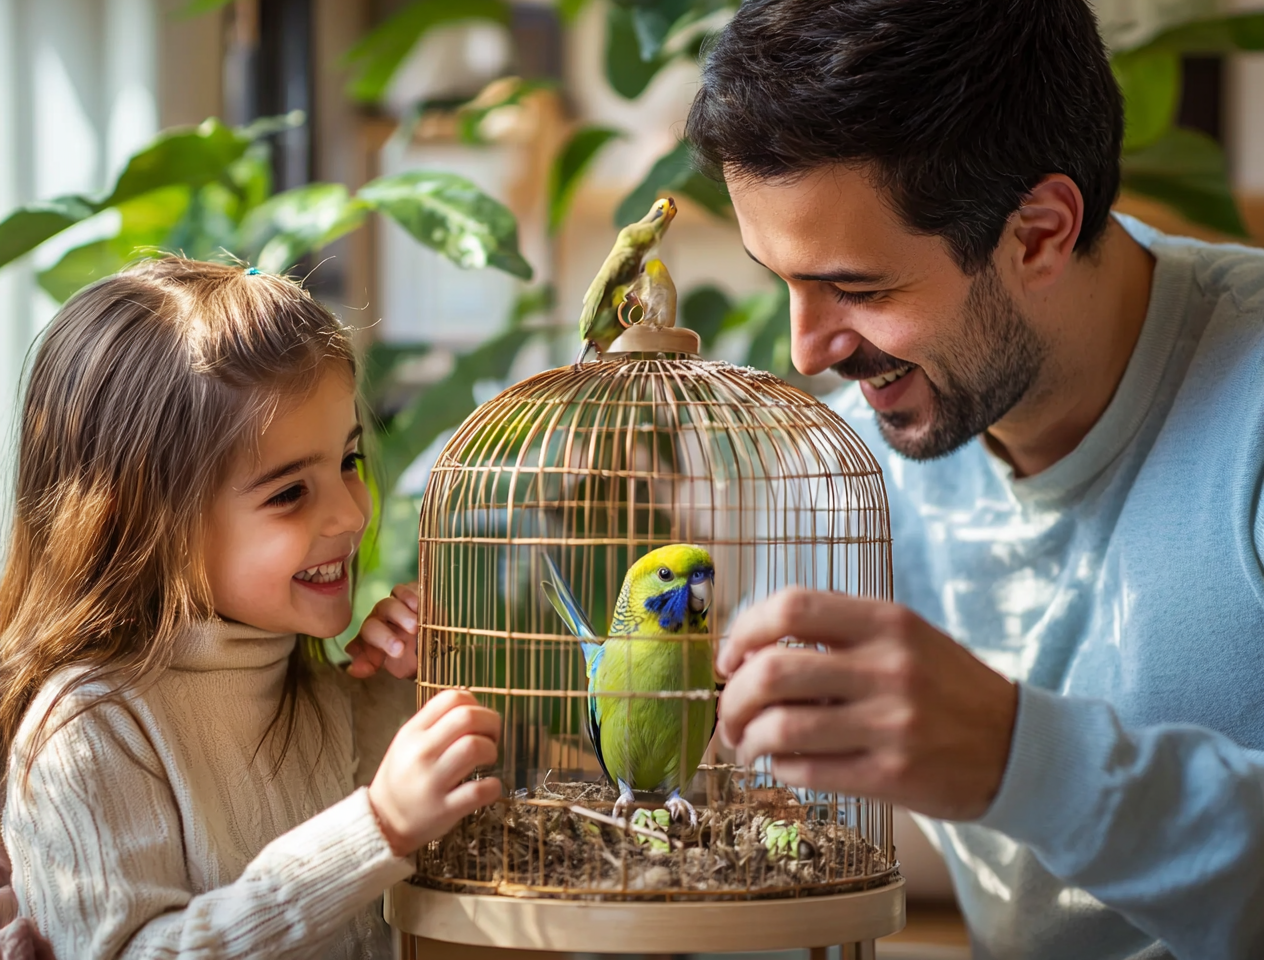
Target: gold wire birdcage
[{"x": 595, "y": 465}]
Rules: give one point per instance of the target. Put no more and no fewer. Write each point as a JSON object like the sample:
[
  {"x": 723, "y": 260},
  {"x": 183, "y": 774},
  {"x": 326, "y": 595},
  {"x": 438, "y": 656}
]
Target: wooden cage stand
[{"x": 853, "y": 921}]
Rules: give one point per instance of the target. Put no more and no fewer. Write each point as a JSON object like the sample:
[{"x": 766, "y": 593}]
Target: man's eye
[
  {"x": 351, "y": 461},
  {"x": 854, "y": 296},
  {"x": 287, "y": 496}
]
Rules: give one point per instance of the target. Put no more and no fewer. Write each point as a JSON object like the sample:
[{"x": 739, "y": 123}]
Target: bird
[
  {"x": 653, "y": 292},
  {"x": 651, "y": 744},
  {"x": 598, "y": 323}
]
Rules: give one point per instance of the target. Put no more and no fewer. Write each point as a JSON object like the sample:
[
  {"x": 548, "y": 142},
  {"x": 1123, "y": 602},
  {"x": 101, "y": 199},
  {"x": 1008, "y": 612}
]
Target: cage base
[{"x": 569, "y": 926}]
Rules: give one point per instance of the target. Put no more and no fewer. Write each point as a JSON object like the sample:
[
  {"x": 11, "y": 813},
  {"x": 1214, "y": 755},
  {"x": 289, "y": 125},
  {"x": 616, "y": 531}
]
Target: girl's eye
[
  {"x": 854, "y": 296},
  {"x": 287, "y": 496},
  {"x": 351, "y": 461}
]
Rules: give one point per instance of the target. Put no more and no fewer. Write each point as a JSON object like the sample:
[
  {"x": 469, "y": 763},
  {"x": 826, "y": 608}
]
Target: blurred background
[{"x": 448, "y": 175}]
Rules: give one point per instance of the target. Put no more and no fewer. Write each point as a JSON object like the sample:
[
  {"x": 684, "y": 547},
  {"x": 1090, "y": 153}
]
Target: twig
[{"x": 622, "y": 825}]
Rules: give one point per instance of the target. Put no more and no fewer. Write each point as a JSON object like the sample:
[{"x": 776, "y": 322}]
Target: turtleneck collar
[{"x": 225, "y": 645}]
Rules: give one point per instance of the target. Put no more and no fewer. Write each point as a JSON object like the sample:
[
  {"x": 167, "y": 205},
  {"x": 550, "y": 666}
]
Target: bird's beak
[{"x": 700, "y": 596}]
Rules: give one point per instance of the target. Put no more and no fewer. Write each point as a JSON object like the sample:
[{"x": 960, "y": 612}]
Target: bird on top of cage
[
  {"x": 648, "y": 743},
  {"x": 599, "y": 322},
  {"x": 650, "y": 298}
]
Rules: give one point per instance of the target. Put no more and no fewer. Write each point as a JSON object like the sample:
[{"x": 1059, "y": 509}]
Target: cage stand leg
[{"x": 861, "y": 950}]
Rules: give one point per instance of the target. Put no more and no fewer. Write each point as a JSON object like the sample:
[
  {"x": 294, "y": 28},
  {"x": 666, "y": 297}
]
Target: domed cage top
[{"x": 595, "y": 466}]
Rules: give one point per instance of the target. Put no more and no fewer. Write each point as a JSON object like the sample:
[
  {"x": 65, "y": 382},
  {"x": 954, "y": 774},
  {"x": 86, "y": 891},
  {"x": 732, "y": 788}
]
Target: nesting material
[{"x": 762, "y": 845}]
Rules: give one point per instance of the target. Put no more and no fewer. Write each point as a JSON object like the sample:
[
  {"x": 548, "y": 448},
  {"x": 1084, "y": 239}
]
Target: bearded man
[{"x": 1069, "y": 409}]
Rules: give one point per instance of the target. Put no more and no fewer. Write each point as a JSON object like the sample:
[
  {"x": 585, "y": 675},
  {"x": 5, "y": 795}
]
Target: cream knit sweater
[{"x": 151, "y": 829}]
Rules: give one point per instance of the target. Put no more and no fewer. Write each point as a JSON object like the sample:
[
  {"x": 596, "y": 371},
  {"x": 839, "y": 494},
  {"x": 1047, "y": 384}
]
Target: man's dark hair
[{"x": 958, "y": 107}]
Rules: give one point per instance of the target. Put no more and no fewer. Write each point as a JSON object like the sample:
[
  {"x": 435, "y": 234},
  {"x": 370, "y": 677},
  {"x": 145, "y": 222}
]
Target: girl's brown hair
[{"x": 142, "y": 390}]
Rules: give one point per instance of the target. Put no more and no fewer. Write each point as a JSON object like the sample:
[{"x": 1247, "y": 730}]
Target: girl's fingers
[
  {"x": 462, "y": 757},
  {"x": 459, "y": 722},
  {"x": 365, "y": 660},
  {"x": 436, "y": 707},
  {"x": 408, "y": 593},
  {"x": 467, "y": 797},
  {"x": 396, "y": 612},
  {"x": 387, "y": 638}
]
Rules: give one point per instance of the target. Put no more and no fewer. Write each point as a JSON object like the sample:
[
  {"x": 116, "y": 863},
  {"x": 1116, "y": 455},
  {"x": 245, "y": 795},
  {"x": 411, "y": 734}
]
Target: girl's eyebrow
[{"x": 294, "y": 466}]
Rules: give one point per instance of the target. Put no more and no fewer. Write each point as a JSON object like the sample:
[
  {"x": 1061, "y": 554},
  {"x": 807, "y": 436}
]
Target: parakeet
[
  {"x": 639, "y": 741},
  {"x": 598, "y": 324},
  {"x": 654, "y": 292}
]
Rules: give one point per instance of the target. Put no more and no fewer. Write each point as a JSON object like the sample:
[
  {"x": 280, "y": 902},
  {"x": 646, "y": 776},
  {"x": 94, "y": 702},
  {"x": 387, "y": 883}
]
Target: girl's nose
[
  {"x": 820, "y": 334},
  {"x": 346, "y": 513}
]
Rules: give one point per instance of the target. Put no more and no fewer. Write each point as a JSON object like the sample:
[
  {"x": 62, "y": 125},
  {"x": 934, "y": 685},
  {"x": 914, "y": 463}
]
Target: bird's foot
[
  {"x": 626, "y": 799},
  {"x": 678, "y": 807},
  {"x": 583, "y": 352}
]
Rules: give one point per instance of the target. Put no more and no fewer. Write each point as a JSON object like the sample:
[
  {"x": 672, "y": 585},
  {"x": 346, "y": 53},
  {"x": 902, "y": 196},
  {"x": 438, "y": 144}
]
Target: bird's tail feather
[{"x": 558, "y": 592}]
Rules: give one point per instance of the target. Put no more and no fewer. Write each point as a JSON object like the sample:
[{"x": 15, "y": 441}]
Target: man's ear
[{"x": 1044, "y": 230}]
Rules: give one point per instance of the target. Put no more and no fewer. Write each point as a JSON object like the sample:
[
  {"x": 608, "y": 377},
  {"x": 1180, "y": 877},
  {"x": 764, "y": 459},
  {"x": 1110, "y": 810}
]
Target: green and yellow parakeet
[
  {"x": 654, "y": 292},
  {"x": 648, "y": 743},
  {"x": 598, "y": 323}
]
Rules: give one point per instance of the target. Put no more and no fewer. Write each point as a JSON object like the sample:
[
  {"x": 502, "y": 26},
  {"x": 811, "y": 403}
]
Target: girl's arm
[{"x": 98, "y": 844}]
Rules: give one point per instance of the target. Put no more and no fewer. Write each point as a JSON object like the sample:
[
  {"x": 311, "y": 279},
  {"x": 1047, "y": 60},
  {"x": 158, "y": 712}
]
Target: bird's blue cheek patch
[{"x": 670, "y": 606}]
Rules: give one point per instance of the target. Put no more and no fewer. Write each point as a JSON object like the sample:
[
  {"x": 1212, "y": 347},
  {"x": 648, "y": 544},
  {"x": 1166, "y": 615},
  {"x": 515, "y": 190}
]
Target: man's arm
[{"x": 1164, "y": 824}]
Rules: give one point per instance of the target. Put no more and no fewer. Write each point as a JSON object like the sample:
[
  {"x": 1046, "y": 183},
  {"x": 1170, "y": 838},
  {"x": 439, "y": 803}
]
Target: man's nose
[{"x": 820, "y": 334}]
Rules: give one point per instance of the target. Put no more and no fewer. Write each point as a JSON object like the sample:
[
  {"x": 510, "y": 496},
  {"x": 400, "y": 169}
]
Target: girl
[{"x": 186, "y": 778}]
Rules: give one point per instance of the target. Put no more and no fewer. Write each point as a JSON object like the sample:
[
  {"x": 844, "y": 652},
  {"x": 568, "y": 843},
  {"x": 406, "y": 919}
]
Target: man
[{"x": 1070, "y": 412}]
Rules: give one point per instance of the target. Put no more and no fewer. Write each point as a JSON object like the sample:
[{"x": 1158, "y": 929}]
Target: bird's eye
[{"x": 665, "y": 574}]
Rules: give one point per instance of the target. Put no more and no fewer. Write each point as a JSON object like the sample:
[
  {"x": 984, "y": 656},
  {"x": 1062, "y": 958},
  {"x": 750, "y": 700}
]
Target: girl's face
[{"x": 283, "y": 527}]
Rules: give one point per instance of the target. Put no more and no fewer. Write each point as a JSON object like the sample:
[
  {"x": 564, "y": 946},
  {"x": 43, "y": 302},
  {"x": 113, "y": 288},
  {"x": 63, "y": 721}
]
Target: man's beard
[{"x": 989, "y": 370}]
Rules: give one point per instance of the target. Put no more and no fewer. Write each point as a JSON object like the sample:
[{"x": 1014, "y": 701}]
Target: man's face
[{"x": 940, "y": 355}]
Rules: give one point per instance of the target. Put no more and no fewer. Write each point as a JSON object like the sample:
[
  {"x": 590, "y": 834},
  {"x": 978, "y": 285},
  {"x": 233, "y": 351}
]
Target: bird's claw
[
  {"x": 678, "y": 807},
  {"x": 626, "y": 799}
]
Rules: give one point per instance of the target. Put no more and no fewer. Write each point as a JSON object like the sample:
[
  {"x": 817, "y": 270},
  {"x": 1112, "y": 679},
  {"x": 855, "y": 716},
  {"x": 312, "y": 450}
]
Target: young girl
[{"x": 185, "y": 777}]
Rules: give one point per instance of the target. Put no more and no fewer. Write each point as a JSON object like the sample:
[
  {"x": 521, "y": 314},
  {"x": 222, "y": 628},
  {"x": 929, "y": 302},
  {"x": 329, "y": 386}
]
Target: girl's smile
[{"x": 288, "y": 521}]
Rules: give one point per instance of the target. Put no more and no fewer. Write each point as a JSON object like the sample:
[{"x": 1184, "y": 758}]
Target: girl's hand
[
  {"x": 420, "y": 790},
  {"x": 387, "y": 636}
]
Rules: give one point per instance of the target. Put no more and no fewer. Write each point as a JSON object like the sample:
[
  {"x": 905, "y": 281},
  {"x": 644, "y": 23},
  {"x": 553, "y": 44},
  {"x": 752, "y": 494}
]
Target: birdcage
[{"x": 585, "y": 469}]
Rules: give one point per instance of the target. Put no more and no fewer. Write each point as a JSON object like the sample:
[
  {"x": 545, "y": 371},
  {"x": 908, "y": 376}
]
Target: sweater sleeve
[
  {"x": 1164, "y": 824},
  {"x": 98, "y": 859}
]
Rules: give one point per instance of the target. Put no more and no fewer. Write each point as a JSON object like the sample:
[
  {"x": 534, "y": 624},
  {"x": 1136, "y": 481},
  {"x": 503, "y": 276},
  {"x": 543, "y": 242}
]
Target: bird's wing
[
  {"x": 559, "y": 594},
  {"x": 592, "y": 722},
  {"x": 620, "y": 266}
]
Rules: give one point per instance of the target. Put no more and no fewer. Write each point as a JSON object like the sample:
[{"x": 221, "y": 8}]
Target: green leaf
[
  {"x": 144, "y": 225},
  {"x": 381, "y": 360},
  {"x": 1186, "y": 170},
  {"x": 449, "y": 214},
  {"x": 532, "y": 302},
  {"x": 185, "y": 155},
  {"x": 572, "y": 162},
  {"x": 769, "y": 347},
  {"x": 276, "y": 234},
  {"x": 703, "y": 310},
  {"x": 446, "y": 403},
  {"x": 627, "y": 73},
  {"x": 197, "y": 8},
  {"x": 27, "y": 227},
  {"x": 1151, "y": 85},
  {"x": 571, "y": 9},
  {"x": 653, "y": 22},
  {"x": 378, "y": 56},
  {"x": 1218, "y": 35},
  {"x": 674, "y": 173},
  {"x": 497, "y": 95}
]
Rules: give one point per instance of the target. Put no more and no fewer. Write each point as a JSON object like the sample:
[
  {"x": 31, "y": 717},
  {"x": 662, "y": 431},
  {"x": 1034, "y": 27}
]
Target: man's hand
[{"x": 894, "y": 710}]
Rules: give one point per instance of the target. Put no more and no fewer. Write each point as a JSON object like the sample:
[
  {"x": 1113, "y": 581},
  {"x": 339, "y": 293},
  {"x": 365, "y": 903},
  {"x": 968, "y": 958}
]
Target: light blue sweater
[{"x": 1123, "y": 587}]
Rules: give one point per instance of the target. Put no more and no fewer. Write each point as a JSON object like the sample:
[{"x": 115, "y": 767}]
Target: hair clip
[{"x": 252, "y": 272}]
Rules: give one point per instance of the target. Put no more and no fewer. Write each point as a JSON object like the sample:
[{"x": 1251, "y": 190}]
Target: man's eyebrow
[
  {"x": 294, "y": 466},
  {"x": 836, "y": 276}
]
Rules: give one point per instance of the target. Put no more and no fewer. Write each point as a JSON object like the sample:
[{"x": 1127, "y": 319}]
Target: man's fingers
[
  {"x": 808, "y": 729},
  {"x": 810, "y": 616},
  {"x": 783, "y": 675},
  {"x": 856, "y": 774}
]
